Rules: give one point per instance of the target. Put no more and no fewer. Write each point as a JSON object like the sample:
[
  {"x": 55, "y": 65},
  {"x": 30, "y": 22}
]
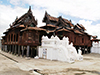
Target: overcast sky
[{"x": 85, "y": 12}]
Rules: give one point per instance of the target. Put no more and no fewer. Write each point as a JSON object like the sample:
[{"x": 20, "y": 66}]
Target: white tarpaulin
[{"x": 56, "y": 49}]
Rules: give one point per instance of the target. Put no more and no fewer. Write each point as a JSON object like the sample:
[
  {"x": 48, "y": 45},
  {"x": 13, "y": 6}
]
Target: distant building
[{"x": 95, "y": 45}]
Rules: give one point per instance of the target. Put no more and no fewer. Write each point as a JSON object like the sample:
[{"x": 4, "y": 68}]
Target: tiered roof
[
  {"x": 66, "y": 25},
  {"x": 24, "y": 21},
  {"x": 64, "y": 22},
  {"x": 48, "y": 17},
  {"x": 27, "y": 17}
]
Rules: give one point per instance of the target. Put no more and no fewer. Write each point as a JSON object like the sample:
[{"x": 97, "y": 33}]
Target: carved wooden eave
[
  {"x": 48, "y": 25},
  {"x": 20, "y": 26},
  {"x": 6, "y": 31},
  {"x": 81, "y": 27},
  {"x": 63, "y": 29},
  {"x": 17, "y": 26},
  {"x": 78, "y": 32},
  {"x": 50, "y": 31},
  {"x": 3, "y": 36},
  {"x": 68, "y": 22},
  {"x": 87, "y": 34},
  {"x": 95, "y": 40},
  {"x": 77, "y": 27},
  {"x": 94, "y": 37},
  {"x": 33, "y": 28}
]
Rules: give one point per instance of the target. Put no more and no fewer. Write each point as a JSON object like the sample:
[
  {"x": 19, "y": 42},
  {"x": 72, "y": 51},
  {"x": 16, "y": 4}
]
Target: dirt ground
[{"x": 14, "y": 65}]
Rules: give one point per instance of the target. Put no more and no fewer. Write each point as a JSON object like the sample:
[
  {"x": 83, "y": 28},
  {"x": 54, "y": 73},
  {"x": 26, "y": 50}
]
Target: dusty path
[
  {"x": 9, "y": 67},
  {"x": 89, "y": 66}
]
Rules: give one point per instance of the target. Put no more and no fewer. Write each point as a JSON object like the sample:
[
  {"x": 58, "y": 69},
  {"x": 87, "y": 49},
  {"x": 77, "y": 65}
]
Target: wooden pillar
[
  {"x": 4, "y": 47},
  {"x": 28, "y": 51},
  {"x": 84, "y": 49},
  {"x": 89, "y": 49},
  {"x": 12, "y": 49},
  {"x": 15, "y": 50},
  {"x": 31, "y": 52},
  {"x": 37, "y": 51},
  {"x": 1, "y": 47},
  {"x": 22, "y": 51},
  {"x": 9, "y": 48},
  {"x": 18, "y": 50}
]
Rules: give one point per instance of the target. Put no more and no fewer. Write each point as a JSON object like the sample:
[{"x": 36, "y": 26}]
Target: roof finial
[
  {"x": 16, "y": 18},
  {"x": 46, "y": 12},
  {"x": 60, "y": 16},
  {"x": 29, "y": 9},
  {"x": 10, "y": 25}
]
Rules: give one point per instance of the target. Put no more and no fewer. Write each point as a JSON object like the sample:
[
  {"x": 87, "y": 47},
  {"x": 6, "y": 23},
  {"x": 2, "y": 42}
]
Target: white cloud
[
  {"x": 8, "y": 15},
  {"x": 15, "y": 2},
  {"x": 0, "y": 1},
  {"x": 84, "y": 9},
  {"x": 91, "y": 29}
]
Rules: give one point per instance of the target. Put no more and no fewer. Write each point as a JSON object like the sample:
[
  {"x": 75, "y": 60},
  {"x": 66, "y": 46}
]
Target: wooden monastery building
[{"x": 23, "y": 37}]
